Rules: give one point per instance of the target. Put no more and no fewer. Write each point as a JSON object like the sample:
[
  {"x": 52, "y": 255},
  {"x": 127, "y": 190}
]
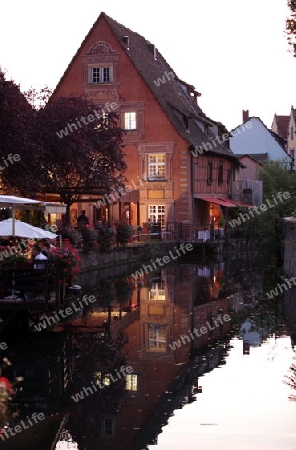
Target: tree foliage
[
  {"x": 291, "y": 26},
  {"x": 267, "y": 227},
  {"x": 85, "y": 161},
  {"x": 16, "y": 121},
  {"x": 62, "y": 151}
]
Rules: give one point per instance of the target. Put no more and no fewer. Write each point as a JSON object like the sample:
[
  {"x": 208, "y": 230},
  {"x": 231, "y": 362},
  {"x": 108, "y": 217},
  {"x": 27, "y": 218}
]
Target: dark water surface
[{"x": 220, "y": 388}]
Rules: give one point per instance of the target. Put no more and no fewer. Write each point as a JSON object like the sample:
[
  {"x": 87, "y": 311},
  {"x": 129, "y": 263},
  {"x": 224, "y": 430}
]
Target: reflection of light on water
[{"x": 66, "y": 442}]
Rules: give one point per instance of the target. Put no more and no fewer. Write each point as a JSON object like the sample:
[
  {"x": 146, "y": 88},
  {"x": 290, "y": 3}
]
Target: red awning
[
  {"x": 216, "y": 200},
  {"x": 224, "y": 202},
  {"x": 246, "y": 205}
]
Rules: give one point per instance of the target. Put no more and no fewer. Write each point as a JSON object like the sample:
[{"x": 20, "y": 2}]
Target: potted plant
[
  {"x": 106, "y": 236},
  {"x": 69, "y": 259},
  {"x": 124, "y": 233}
]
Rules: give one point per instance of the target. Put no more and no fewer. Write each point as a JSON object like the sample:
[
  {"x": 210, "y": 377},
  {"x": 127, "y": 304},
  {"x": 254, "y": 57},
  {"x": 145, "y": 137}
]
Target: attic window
[
  {"x": 126, "y": 41},
  {"x": 101, "y": 73},
  {"x": 186, "y": 122}
]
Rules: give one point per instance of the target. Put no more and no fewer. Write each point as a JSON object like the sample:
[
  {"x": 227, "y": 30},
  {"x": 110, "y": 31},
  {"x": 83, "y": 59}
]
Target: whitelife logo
[
  {"x": 168, "y": 76},
  {"x": 63, "y": 314},
  {"x": 11, "y": 159},
  {"x": 159, "y": 262},
  {"x": 208, "y": 146},
  {"x": 259, "y": 209},
  {"x": 92, "y": 389},
  {"x": 279, "y": 288},
  {"x": 184, "y": 338},
  {"x": 7, "y": 432},
  {"x": 86, "y": 120}
]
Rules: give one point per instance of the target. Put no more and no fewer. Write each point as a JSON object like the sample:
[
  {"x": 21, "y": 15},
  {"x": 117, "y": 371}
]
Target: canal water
[
  {"x": 221, "y": 389},
  {"x": 192, "y": 356}
]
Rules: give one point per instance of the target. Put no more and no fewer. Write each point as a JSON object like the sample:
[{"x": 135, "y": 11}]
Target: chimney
[{"x": 245, "y": 115}]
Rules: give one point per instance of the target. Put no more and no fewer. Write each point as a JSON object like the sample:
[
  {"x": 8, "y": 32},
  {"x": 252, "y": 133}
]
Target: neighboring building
[
  {"x": 248, "y": 189},
  {"x": 280, "y": 125},
  {"x": 258, "y": 139},
  {"x": 251, "y": 165},
  {"x": 285, "y": 127},
  {"x": 292, "y": 135},
  {"x": 168, "y": 177}
]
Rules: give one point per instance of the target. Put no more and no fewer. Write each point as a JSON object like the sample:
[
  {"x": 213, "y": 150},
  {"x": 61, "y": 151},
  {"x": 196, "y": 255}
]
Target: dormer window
[
  {"x": 186, "y": 122},
  {"x": 101, "y": 73}
]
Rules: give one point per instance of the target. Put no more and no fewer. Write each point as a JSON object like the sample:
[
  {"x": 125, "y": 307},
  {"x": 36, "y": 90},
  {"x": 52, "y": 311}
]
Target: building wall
[
  {"x": 154, "y": 134},
  {"x": 251, "y": 169},
  {"x": 292, "y": 138}
]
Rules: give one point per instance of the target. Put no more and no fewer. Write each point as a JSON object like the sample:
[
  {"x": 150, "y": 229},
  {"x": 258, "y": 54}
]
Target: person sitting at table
[
  {"x": 46, "y": 247},
  {"x": 38, "y": 256},
  {"x": 35, "y": 275}
]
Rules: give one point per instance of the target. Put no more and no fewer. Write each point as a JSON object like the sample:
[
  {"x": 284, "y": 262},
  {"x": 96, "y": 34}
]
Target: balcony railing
[{"x": 247, "y": 191}]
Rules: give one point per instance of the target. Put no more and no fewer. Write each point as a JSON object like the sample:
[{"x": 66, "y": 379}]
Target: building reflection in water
[{"x": 153, "y": 316}]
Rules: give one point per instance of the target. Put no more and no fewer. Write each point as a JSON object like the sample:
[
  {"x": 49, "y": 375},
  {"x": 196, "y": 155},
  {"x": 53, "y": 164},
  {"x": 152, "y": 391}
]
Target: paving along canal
[{"x": 191, "y": 356}]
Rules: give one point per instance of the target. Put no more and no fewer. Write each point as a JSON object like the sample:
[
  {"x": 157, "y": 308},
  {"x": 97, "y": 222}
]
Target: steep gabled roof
[
  {"x": 257, "y": 157},
  {"x": 275, "y": 136},
  {"x": 282, "y": 123},
  {"x": 176, "y": 97}
]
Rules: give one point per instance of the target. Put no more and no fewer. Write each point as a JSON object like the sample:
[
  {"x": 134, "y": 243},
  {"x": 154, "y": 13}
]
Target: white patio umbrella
[
  {"x": 23, "y": 229},
  {"x": 14, "y": 203}
]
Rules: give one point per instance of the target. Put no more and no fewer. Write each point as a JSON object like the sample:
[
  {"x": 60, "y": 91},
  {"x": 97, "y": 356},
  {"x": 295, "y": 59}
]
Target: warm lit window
[
  {"x": 103, "y": 379},
  {"x": 130, "y": 121},
  {"x": 157, "y": 337},
  {"x": 156, "y": 213},
  {"x": 131, "y": 382},
  {"x": 220, "y": 174},
  {"x": 156, "y": 166},
  {"x": 100, "y": 74},
  {"x": 210, "y": 173},
  {"x": 157, "y": 290}
]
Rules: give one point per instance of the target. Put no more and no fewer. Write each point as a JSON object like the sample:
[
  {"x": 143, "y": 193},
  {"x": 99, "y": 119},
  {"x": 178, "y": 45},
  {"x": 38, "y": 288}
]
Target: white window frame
[
  {"x": 157, "y": 290},
  {"x": 100, "y": 68},
  {"x": 156, "y": 342},
  {"x": 156, "y": 213},
  {"x": 156, "y": 169},
  {"x": 131, "y": 382},
  {"x": 130, "y": 120}
]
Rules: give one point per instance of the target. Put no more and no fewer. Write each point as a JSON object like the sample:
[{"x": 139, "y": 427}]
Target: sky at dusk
[{"x": 235, "y": 53}]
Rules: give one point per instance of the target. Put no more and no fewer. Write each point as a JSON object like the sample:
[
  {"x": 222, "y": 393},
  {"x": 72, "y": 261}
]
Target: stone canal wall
[{"x": 97, "y": 265}]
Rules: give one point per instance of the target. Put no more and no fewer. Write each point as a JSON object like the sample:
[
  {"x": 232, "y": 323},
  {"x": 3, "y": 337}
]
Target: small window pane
[
  {"x": 157, "y": 337},
  {"x": 130, "y": 121},
  {"x": 96, "y": 75},
  {"x": 106, "y": 74},
  {"x": 156, "y": 166},
  {"x": 131, "y": 382}
]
